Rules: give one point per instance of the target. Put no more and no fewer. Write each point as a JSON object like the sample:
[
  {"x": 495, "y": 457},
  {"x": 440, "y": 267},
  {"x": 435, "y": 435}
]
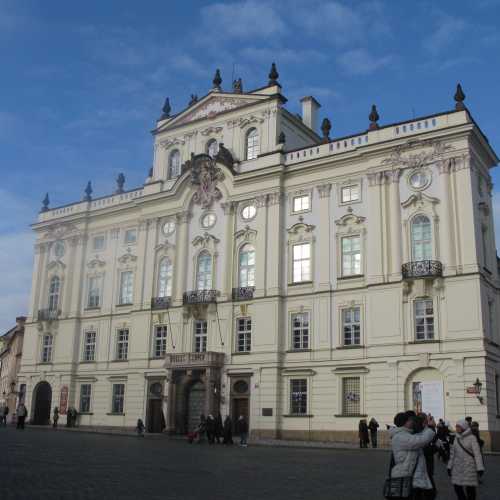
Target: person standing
[
  {"x": 139, "y": 428},
  {"x": 373, "y": 427},
  {"x": 228, "y": 430},
  {"x": 219, "y": 428},
  {"x": 475, "y": 431},
  {"x": 211, "y": 429},
  {"x": 4, "y": 411},
  {"x": 21, "y": 416},
  {"x": 363, "y": 434},
  {"x": 466, "y": 462},
  {"x": 242, "y": 429},
  {"x": 55, "y": 417}
]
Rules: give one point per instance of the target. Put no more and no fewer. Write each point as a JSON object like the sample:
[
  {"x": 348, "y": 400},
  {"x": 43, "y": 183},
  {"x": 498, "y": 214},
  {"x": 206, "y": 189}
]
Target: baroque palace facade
[{"x": 269, "y": 270}]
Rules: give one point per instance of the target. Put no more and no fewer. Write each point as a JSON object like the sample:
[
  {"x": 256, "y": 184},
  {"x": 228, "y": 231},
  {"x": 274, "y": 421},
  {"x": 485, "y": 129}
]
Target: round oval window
[
  {"x": 419, "y": 180},
  {"x": 168, "y": 227},
  {"x": 208, "y": 220},
  {"x": 240, "y": 387},
  {"x": 248, "y": 212}
]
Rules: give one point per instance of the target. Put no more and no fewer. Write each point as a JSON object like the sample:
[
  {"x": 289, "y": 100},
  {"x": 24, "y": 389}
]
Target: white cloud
[
  {"x": 448, "y": 29},
  {"x": 267, "y": 55},
  {"x": 361, "y": 62}
]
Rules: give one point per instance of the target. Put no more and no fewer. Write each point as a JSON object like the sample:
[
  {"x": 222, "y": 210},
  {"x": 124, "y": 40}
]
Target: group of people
[
  {"x": 215, "y": 429},
  {"x": 368, "y": 432},
  {"x": 415, "y": 439},
  {"x": 19, "y": 415}
]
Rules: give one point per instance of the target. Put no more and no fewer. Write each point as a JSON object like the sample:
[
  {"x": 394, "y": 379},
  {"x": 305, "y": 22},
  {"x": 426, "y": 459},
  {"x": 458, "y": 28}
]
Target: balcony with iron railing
[
  {"x": 243, "y": 293},
  {"x": 48, "y": 314},
  {"x": 194, "y": 360},
  {"x": 422, "y": 269},
  {"x": 199, "y": 297},
  {"x": 161, "y": 303}
]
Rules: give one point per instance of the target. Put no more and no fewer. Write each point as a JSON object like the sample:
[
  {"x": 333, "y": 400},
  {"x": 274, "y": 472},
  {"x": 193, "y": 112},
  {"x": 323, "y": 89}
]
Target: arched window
[
  {"x": 252, "y": 144},
  {"x": 421, "y": 238},
  {"x": 204, "y": 271},
  {"x": 247, "y": 266},
  {"x": 165, "y": 278},
  {"x": 47, "y": 343},
  {"x": 212, "y": 148},
  {"x": 174, "y": 164},
  {"x": 54, "y": 291}
]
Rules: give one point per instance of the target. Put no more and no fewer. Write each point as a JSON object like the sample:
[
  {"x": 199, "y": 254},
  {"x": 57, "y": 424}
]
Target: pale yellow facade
[{"x": 342, "y": 324}]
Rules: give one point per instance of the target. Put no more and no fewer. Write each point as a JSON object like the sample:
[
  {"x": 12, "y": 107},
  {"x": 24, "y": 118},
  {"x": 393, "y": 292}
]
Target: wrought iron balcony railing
[
  {"x": 243, "y": 293},
  {"x": 161, "y": 302},
  {"x": 194, "y": 359},
  {"x": 199, "y": 297},
  {"x": 422, "y": 269},
  {"x": 48, "y": 314}
]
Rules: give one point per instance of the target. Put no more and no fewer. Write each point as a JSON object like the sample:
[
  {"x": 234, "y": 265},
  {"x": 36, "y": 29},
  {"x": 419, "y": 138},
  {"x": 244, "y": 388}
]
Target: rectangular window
[
  {"x": 244, "y": 340},
  {"x": 301, "y": 270},
  {"x": 126, "y": 287},
  {"x": 351, "y": 396},
  {"x": 98, "y": 243},
  {"x": 351, "y": 326},
  {"x": 85, "y": 398},
  {"x": 351, "y": 256},
  {"x": 301, "y": 203},
  {"x": 118, "y": 398},
  {"x": 160, "y": 341},
  {"x": 200, "y": 336},
  {"x": 130, "y": 236},
  {"x": 298, "y": 396},
  {"x": 424, "y": 319},
  {"x": 300, "y": 331},
  {"x": 349, "y": 194},
  {"x": 94, "y": 293},
  {"x": 89, "y": 347},
  {"x": 122, "y": 344},
  {"x": 47, "y": 348}
]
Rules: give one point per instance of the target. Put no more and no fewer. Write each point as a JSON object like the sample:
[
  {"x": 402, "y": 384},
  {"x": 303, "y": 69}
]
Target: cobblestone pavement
[{"x": 40, "y": 464}]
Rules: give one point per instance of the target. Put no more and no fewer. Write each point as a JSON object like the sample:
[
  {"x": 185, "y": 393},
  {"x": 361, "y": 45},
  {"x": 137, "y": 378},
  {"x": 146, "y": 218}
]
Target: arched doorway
[
  {"x": 155, "y": 421},
  {"x": 195, "y": 404},
  {"x": 425, "y": 392},
  {"x": 42, "y": 402}
]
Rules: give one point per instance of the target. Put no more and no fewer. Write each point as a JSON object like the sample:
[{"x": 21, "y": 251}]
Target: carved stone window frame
[
  {"x": 88, "y": 329},
  {"x": 56, "y": 268},
  {"x": 209, "y": 243},
  {"x": 351, "y": 225},
  {"x": 162, "y": 251},
  {"x": 299, "y": 193},
  {"x": 245, "y": 236},
  {"x": 298, "y": 234},
  {"x": 341, "y": 307},
  {"x": 356, "y": 181},
  {"x": 300, "y": 310}
]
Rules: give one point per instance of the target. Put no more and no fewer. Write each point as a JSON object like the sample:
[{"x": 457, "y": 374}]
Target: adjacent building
[{"x": 268, "y": 269}]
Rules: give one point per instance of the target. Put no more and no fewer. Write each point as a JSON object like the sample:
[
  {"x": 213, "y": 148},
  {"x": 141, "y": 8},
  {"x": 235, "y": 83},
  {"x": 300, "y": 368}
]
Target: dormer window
[
  {"x": 174, "y": 164},
  {"x": 253, "y": 148},
  {"x": 212, "y": 148}
]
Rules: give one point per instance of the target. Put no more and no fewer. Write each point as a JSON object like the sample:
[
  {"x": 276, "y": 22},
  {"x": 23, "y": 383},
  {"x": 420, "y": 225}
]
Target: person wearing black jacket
[
  {"x": 429, "y": 452},
  {"x": 373, "y": 427},
  {"x": 228, "y": 430},
  {"x": 242, "y": 429},
  {"x": 219, "y": 428}
]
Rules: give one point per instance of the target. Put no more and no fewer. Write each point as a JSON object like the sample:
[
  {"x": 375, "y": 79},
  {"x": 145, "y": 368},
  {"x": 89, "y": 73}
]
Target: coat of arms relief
[{"x": 205, "y": 175}]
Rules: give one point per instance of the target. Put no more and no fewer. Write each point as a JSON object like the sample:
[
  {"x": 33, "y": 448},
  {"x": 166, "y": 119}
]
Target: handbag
[
  {"x": 399, "y": 487},
  {"x": 465, "y": 449}
]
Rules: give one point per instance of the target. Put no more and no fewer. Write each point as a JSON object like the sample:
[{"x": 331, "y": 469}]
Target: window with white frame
[
  {"x": 85, "y": 398},
  {"x": 351, "y": 255},
  {"x": 350, "y": 193},
  {"x": 126, "y": 287},
  {"x": 301, "y": 203},
  {"x": 98, "y": 242},
  {"x": 200, "y": 335},
  {"x": 94, "y": 292},
  {"x": 204, "y": 271},
  {"x": 301, "y": 270},
  {"x": 130, "y": 236},
  {"x": 424, "y": 319},
  {"x": 122, "y": 337},
  {"x": 212, "y": 148},
  {"x": 89, "y": 346},
  {"x": 421, "y": 238},
  {"x": 351, "y": 396},
  {"x": 300, "y": 330},
  {"x": 247, "y": 266},
  {"x": 54, "y": 291},
  {"x": 253, "y": 147},
  {"x": 118, "y": 398},
  {"x": 160, "y": 341},
  {"x": 174, "y": 164},
  {"x": 351, "y": 325},
  {"x": 298, "y": 396},
  {"x": 47, "y": 344},
  {"x": 244, "y": 338},
  {"x": 165, "y": 278}
]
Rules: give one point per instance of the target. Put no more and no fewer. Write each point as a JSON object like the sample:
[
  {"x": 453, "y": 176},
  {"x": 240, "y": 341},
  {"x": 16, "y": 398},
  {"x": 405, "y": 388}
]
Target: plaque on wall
[{"x": 267, "y": 412}]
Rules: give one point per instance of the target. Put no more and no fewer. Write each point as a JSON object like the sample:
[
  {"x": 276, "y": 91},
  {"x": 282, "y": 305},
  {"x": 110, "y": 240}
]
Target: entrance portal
[
  {"x": 43, "y": 400},
  {"x": 155, "y": 421},
  {"x": 240, "y": 400},
  {"x": 195, "y": 404}
]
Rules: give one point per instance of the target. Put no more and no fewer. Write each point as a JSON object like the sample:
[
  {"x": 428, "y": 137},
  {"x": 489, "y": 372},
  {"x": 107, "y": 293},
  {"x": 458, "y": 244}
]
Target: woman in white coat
[{"x": 466, "y": 462}]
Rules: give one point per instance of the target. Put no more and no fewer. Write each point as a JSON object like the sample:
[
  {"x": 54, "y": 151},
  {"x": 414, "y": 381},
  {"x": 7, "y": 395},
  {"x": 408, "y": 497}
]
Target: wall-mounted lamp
[{"x": 478, "y": 386}]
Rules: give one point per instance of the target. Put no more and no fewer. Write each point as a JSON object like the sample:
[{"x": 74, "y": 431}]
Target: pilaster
[
  {"x": 374, "y": 257},
  {"x": 180, "y": 269},
  {"x": 395, "y": 235},
  {"x": 324, "y": 235}
]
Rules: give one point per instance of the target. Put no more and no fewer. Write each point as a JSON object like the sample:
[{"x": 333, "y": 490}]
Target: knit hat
[{"x": 463, "y": 424}]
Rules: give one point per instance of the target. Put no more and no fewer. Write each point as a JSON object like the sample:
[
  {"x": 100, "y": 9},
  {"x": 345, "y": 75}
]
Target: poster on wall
[
  {"x": 433, "y": 399},
  {"x": 63, "y": 401}
]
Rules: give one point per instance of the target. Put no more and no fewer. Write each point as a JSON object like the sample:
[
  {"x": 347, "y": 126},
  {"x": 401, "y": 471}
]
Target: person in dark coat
[
  {"x": 55, "y": 417},
  {"x": 242, "y": 429},
  {"x": 475, "y": 432},
  {"x": 443, "y": 440},
  {"x": 373, "y": 428},
  {"x": 211, "y": 429},
  {"x": 201, "y": 429},
  {"x": 140, "y": 428},
  {"x": 363, "y": 434},
  {"x": 429, "y": 451},
  {"x": 21, "y": 415},
  {"x": 228, "y": 430},
  {"x": 219, "y": 428}
]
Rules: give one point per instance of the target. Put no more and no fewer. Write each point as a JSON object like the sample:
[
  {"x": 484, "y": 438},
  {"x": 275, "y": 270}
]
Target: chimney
[{"x": 310, "y": 107}]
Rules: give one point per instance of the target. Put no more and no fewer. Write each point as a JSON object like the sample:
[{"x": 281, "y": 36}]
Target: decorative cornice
[
  {"x": 301, "y": 226},
  {"x": 274, "y": 198},
  {"x": 205, "y": 240},
  {"x": 183, "y": 217},
  {"x": 211, "y": 130},
  {"x": 56, "y": 264},
  {"x": 62, "y": 230},
  {"x": 246, "y": 234},
  {"x": 228, "y": 207},
  {"x": 419, "y": 198},
  {"x": 164, "y": 247},
  {"x": 261, "y": 200},
  {"x": 324, "y": 190},
  {"x": 127, "y": 257},
  {"x": 176, "y": 141},
  {"x": 96, "y": 263},
  {"x": 412, "y": 160},
  {"x": 349, "y": 219}
]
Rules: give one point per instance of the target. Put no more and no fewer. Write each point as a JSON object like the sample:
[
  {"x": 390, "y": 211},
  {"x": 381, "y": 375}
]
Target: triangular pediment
[{"x": 210, "y": 106}]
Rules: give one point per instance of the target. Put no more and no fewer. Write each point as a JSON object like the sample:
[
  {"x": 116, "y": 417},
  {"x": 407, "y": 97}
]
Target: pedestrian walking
[
  {"x": 55, "y": 417},
  {"x": 228, "y": 430},
  {"x": 21, "y": 415},
  {"x": 466, "y": 462},
  {"x": 363, "y": 434},
  {"x": 211, "y": 429},
  {"x": 373, "y": 428},
  {"x": 242, "y": 429},
  {"x": 429, "y": 450},
  {"x": 201, "y": 429},
  {"x": 4, "y": 411},
  {"x": 408, "y": 472},
  {"x": 140, "y": 428},
  {"x": 219, "y": 428},
  {"x": 443, "y": 440}
]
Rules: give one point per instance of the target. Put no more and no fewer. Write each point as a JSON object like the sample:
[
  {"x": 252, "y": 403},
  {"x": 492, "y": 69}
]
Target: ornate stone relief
[
  {"x": 205, "y": 175},
  {"x": 300, "y": 227},
  {"x": 419, "y": 199},
  {"x": 127, "y": 258},
  {"x": 261, "y": 200},
  {"x": 96, "y": 263},
  {"x": 350, "y": 218},
  {"x": 211, "y": 130},
  {"x": 164, "y": 247},
  {"x": 228, "y": 207},
  {"x": 412, "y": 160},
  {"x": 56, "y": 265},
  {"x": 176, "y": 141},
  {"x": 324, "y": 190},
  {"x": 59, "y": 231},
  {"x": 246, "y": 234},
  {"x": 205, "y": 240}
]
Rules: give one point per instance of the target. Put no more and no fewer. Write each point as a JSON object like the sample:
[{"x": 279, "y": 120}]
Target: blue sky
[{"x": 82, "y": 83}]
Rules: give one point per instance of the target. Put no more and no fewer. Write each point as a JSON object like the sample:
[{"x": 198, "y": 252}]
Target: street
[{"x": 41, "y": 464}]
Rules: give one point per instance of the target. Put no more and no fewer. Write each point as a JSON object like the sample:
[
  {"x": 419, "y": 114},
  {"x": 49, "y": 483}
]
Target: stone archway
[
  {"x": 425, "y": 392},
  {"x": 42, "y": 400}
]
